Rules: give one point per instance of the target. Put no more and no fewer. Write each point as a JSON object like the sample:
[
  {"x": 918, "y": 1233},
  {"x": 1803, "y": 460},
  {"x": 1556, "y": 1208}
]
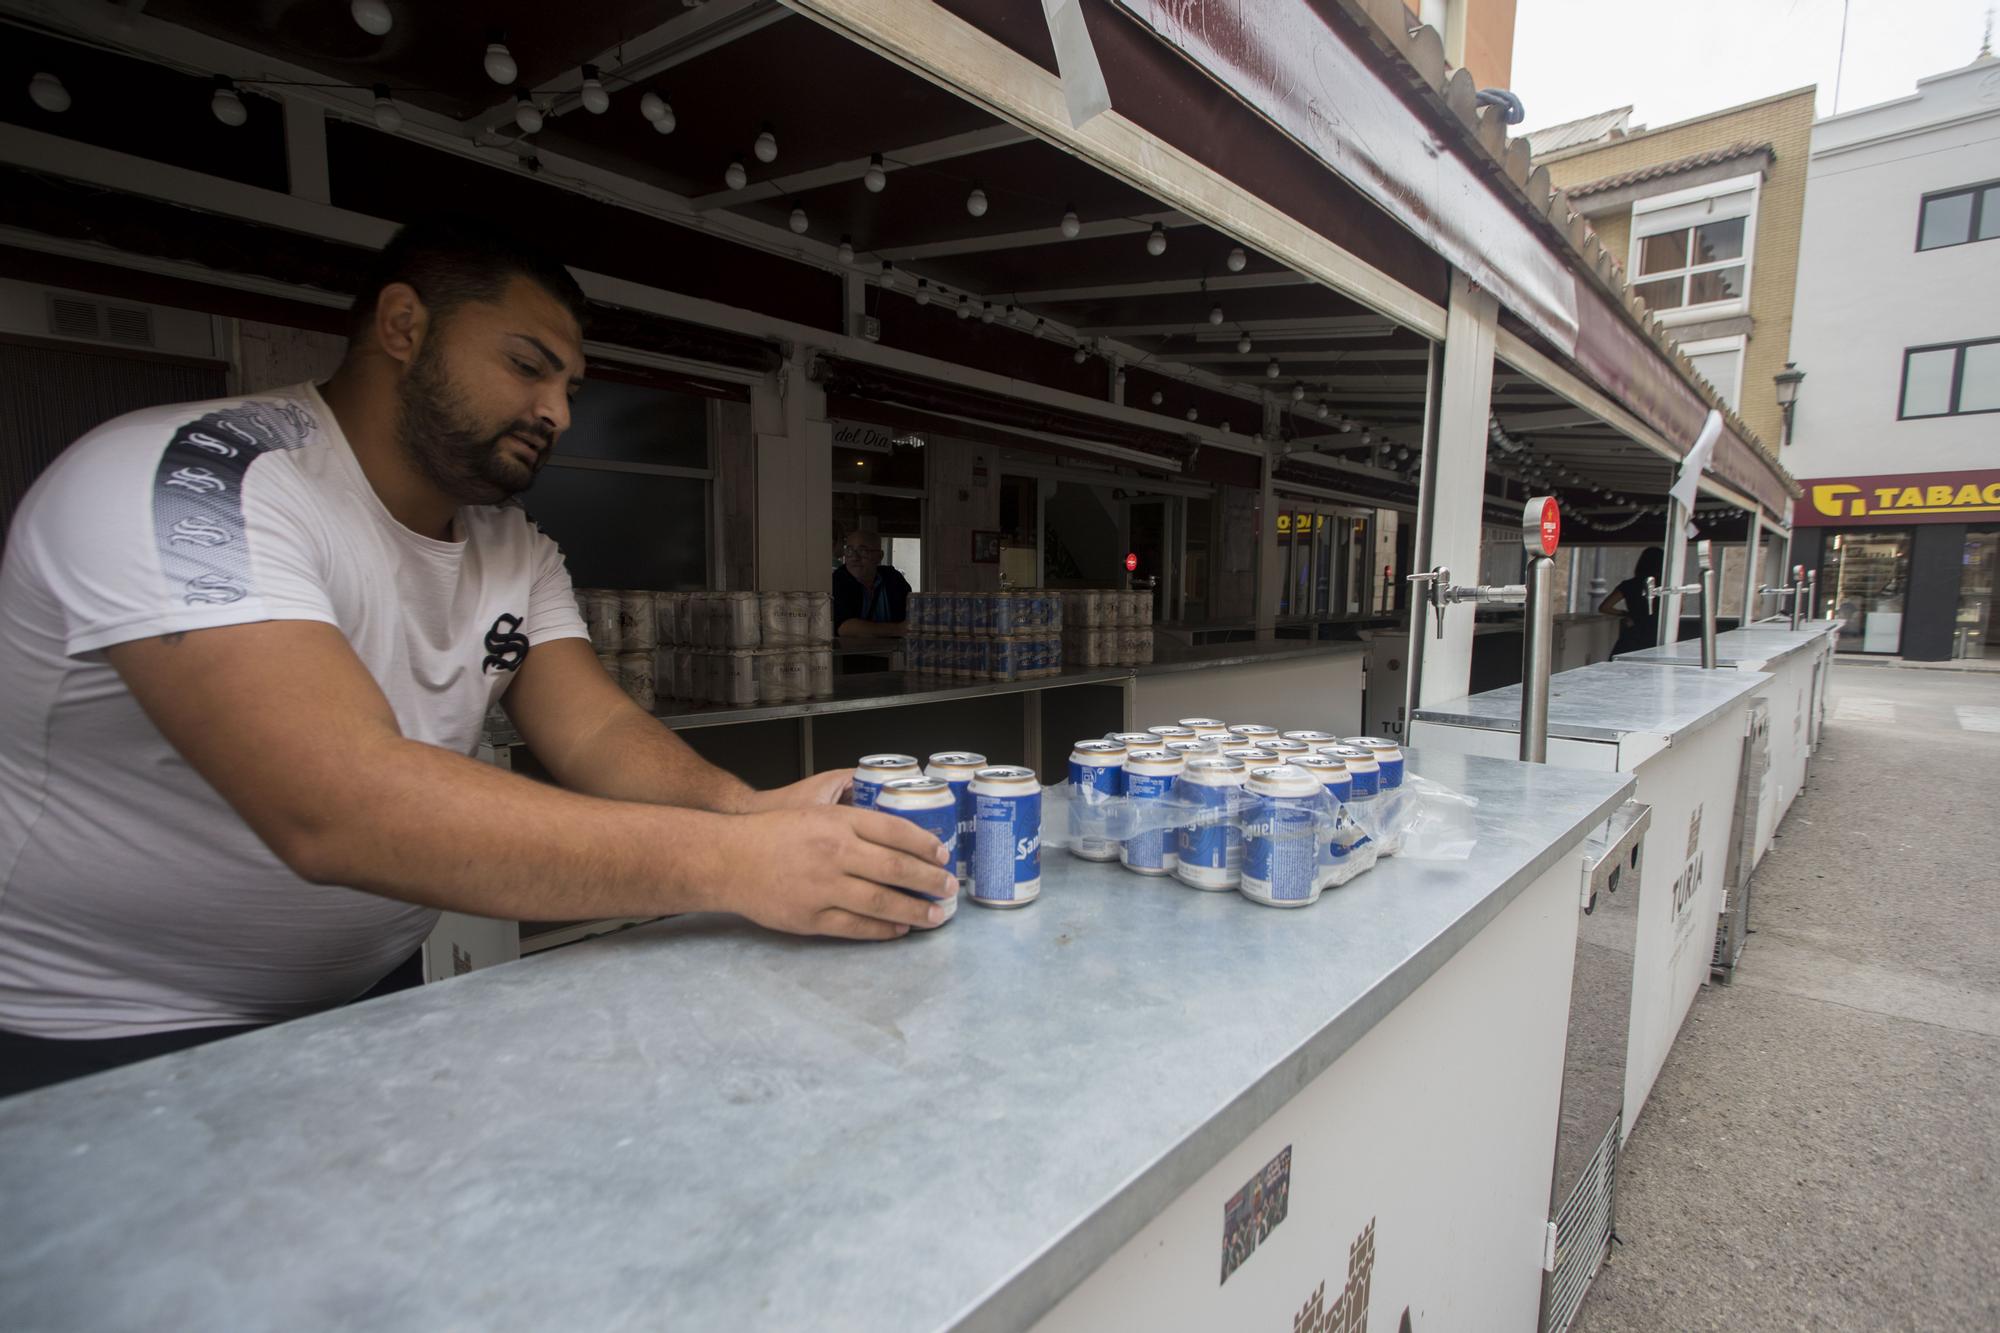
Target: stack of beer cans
[{"x": 1001, "y": 636}]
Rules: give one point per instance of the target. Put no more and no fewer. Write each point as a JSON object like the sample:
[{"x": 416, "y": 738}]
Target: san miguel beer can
[
  {"x": 1151, "y": 775},
  {"x": 1096, "y": 776},
  {"x": 1361, "y": 766},
  {"x": 876, "y": 769},
  {"x": 1007, "y": 847},
  {"x": 929, "y": 804},
  {"x": 1206, "y": 726},
  {"x": 1210, "y": 850},
  {"x": 955, "y": 768},
  {"x": 1280, "y": 842},
  {"x": 1388, "y": 754}
]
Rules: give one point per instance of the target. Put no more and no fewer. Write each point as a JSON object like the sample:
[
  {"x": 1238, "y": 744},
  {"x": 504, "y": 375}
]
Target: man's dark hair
[{"x": 451, "y": 259}]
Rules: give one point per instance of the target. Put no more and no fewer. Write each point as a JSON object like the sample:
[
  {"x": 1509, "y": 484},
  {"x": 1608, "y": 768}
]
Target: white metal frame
[
  {"x": 1688, "y": 314},
  {"x": 1735, "y": 342}
]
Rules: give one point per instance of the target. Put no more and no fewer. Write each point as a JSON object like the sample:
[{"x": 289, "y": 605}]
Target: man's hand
[
  {"x": 829, "y": 788},
  {"x": 832, "y": 870}
]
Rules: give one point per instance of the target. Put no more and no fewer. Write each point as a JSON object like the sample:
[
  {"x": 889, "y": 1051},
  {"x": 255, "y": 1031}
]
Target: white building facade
[{"x": 1896, "y": 432}]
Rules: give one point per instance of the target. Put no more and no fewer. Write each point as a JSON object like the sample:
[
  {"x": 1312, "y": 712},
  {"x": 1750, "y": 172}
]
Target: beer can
[
  {"x": 1172, "y": 731},
  {"x": 1151, "y": 775},
  {"x": 1313, "y": 739},
  {"x": 1187, "y": 749},
  {"x": 876, "y": 769},
  {"x": 955, "y": 768},
  {"x": 637, "y": 628},
  {"x": 1210, "y": 850},
  {"x": 819, "y": 617},
  {"x": 741, "y": 620},
  {"x": 1096, "y": 777},
  {"x": 1252, "y": 756},
  {"x": 666, "y": 618},
  {"x": 1007, "y": 841},
  {"x": 1134, "y": 740},
  {"x": 738, "y": 671},
  {"x": 1338, "y": 785},
  {"x": 774, "y": 626},
  {"x": 635, "y": 677},
  {"x": 1280, "y": 841},
  {"x": 600, "y": 618},
  {"x": 1206, "y": 726},
  {"x": 1284, "y": 749},
  {"x": 1361, "y": 766},
  {"x": 1388, "y": 753},
  {"x": 929, "y": 804},
  {"x": 1252, "y": 733},
  {"x": 820, "y": 681}
]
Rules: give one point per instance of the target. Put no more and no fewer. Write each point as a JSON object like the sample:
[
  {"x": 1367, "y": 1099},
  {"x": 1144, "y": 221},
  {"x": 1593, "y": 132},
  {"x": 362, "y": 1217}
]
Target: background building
[{"x": 1895, "y": 435}]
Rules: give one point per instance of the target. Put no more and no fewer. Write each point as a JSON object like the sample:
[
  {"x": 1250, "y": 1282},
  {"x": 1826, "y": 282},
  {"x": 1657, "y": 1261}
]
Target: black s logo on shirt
[{"x": 505, "y": 648}]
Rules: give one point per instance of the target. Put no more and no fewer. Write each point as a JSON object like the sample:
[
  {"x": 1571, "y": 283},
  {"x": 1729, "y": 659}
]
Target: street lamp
[{"x": 1787, "y": 381}]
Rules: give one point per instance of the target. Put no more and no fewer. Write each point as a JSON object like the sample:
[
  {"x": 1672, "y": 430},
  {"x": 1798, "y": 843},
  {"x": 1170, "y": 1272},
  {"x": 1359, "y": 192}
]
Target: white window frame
[
  {"x": 1738, "y": 343},
  {"x": 1753, "y": 182}
]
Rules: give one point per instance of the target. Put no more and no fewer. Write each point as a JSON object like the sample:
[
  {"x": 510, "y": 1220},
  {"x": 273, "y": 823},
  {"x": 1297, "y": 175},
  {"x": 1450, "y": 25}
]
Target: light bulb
[
  {"x": 1193, "y": 415},
  {"x": 500, "y": 66},
  {"x": 526, "y": 114},
  {"x": 1157, "y": 398},
  {"x": 1271, "y": 369},
  {"x": 1243, "y": 344},
  {"x": 1298, "y": 393},
  {"x": 985, "y": 312},
  {"x": 1118, "y": 381},
  {"x": 889, "y": 273},
  {"x": 388, "y": 119},
  {"x": 1366, "y": 438},
  {"x": 964, "y": 306},
  {"x": 665, "y": 122},
  {"x": 1078, "y": 356},
  {"x": 798, "y": 220},
  {"x": 372, "y": 16},
  {"x": 652, "y": 106},
  {"x": 975, "y": 203},
  {"x": 736, "y": 177},
  {"x": 1013, "y": 314},
  {"x": 923, "y": 291},
  {"x": 1237, "y": 259},
  {"x": 1071, "y": 224},
  {"x": 1226, "y": 428},
  {"x": 1156, "y": 240},
  {"x": 766, "y": 146},
  {"x": 1215, "y": 314},
  {"x": 1347, "y": 428},
  {"x": 226, "y": 105},
  {"x": 1041, "y": 329},
  {"x": 1322, "y": 411},
  {"x": 48, "y": 93},
  {"x": 875, "y": 178},
  {"x": 595, "y": 100},
  {"x": 845, "y": 254}
]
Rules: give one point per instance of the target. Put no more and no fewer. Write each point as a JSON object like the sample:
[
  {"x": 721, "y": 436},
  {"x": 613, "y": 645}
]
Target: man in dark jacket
[{"x": 870, "y": 599}]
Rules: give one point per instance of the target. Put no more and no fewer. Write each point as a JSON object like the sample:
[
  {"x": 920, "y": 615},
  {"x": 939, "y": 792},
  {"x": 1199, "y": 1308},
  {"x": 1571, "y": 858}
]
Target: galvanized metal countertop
[
  {"x": 1219, "y": 655},
  {"x": 698, "y": 1124},
  {"x": 1752, "y": 647},
  {"x": 1607, "y": 701}
]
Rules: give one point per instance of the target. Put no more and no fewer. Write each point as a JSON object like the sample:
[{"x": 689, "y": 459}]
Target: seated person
[{"x": 870, "y": 599}]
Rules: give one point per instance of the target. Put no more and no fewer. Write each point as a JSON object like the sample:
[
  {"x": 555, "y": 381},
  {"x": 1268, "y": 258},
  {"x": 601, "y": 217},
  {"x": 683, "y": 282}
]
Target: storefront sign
[
  {"x": 1898, "y": 498},
  {"x": 861, "y": 435}
]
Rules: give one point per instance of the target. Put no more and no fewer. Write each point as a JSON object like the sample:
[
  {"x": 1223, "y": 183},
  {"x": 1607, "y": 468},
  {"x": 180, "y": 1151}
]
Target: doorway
[{"x": 1864, "y": 576}]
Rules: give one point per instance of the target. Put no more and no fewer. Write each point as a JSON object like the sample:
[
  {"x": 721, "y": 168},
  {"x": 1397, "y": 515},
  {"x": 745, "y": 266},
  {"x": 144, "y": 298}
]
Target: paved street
[{"x": 1822, "y": 1150}]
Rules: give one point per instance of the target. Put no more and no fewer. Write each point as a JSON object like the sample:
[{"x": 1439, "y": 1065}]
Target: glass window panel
[
  {"x": 1927, "y": 382},
  {"x": 1663, "y": 253},
  {"x": 1989, "y": 214},
  {"x": 633, "y": 424},
  {"x": 1718, "y": 284},
  {"x": 1719, "y": 240},
  {"x": 624, "y": 529},
  {"x": 1947, "y": 221},
  {"x": 1979, "y": 382},
  {"x": 1662, "y": 295}
]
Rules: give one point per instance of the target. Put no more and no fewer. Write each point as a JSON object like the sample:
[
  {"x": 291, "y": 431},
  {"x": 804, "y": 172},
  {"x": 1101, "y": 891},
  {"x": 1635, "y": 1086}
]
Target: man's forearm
[
  {"x": 431, "y": 827},
  {"x": 634, "y": 757}
]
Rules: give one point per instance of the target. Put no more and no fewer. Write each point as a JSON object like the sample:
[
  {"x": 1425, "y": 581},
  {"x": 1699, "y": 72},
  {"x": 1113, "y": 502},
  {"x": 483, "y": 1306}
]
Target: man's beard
[{"x": 459, "y": 455}]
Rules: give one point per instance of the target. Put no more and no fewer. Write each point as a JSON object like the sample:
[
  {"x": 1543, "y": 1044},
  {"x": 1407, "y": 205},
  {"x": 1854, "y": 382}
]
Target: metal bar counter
[
  {"x": 697, "y": 1124},
  {"x": 1607, "y": 701},
  {"x": 1751, "y": 647}
]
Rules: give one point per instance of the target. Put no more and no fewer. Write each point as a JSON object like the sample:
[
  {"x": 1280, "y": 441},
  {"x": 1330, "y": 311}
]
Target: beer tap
[
  {"x": 1704, "y": 589},
  {"x": 1441, "y": 592}
]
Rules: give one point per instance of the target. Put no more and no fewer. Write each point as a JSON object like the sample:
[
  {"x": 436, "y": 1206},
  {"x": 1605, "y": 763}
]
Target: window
[
  {"x": 1691, "y": 249},
  {"x": 1720, "y": 362},
  {"x": 1955, "y": 217},
  {"x": 1953, "y": 379}
]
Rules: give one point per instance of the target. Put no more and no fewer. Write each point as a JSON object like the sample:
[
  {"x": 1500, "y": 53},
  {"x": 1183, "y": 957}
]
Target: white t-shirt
[{"x": 133, "y": 899}]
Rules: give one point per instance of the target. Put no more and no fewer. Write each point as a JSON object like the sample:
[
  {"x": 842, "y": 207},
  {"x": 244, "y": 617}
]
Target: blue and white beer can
[
  {"x": 1331, "y": 775},
  {"x": 1189, "y": 749},
  {"x": 1210, "y": 850},
  {"x": 1361, "y": 766},
  {"x": 1313, "y": 739},
  {"x": 1134, "y": 740},
  {"x": 1206, "y": 726},
  {"x": 1388, "y": 754},
  {"x": 1285, "y": 750},
  {"x": 1151, "y": 775},
  {"x": 1280, "y": 841},
  {"x": 1253, "y": 756},
  {"x": 1252, "y": 733},
  {"x": 1096, "y": 777},
  {"x": 955, "y": 768},
  {"x": 1171, "y": 731},
  {"x": 1007, "y": 848},
  {"x": 929, "y": 804},
  {"x": 876, "y": 769}
]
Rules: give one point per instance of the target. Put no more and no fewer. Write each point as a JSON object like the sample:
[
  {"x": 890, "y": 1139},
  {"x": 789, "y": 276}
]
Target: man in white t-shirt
[{"x": 248, "y": 646}]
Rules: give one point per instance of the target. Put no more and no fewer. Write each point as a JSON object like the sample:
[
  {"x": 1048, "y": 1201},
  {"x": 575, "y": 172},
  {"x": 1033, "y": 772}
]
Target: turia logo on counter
[{"x": 1915, "y": 497}]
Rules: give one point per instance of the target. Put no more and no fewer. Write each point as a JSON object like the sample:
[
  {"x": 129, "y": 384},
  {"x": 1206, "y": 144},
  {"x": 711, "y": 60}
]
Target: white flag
[
  {"x": 1693, "y": 465},
  {"x": 1084, "y": 91}
]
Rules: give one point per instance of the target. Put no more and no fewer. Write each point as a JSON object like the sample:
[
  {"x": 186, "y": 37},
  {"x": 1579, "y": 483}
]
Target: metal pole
[
  {"x": 1420, "y": 542},
  {"x": 1708, "y": 588},
  {"x": 1798, "y": 593},
  {"x": 1537, "y": 657},
  {"x": 1667, "y": 617},
  {"x": 1812, "y": 594}
]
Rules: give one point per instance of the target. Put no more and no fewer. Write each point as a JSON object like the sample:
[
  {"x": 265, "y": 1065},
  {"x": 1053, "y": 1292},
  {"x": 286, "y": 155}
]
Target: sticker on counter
[{"x": 1255, "y": 1211}]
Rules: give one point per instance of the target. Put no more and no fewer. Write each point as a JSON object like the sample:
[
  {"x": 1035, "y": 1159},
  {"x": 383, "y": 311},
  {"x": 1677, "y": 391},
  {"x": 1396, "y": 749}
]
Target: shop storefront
[{"x": 1906, "y": 560}]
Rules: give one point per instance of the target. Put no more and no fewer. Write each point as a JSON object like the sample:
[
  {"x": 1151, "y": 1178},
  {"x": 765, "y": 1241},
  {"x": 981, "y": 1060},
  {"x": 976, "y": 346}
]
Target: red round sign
[
  {"x": 1551, "y": 525},
  {"x": 1131, "y": 561}
]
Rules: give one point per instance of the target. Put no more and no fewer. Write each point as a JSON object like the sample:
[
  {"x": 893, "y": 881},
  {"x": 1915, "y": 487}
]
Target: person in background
[
  {"x": 1628, "y": 599},
  {"x": 870, "y": 599}
]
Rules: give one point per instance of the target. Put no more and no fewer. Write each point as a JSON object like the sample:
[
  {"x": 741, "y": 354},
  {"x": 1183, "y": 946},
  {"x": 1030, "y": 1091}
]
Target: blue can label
[
  {"x": 1102, "y": 779},
  {"x": 940, "y": 821},
  {"x": 1007, "y": 850},
  {"x": 968, "y": 828},
  {"x": 1280, "y": 851},
  {"x": 865, "y": 793},
  {"x": 1392, "y": 772},
  {"x": 1367, "y": 785},
  {"x": 1214, "y": 842},
  {"x": 1154, "y": 849}
]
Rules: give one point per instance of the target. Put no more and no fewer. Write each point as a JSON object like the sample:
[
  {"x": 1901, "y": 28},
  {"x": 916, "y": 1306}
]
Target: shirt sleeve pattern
[{"x": 198, "y": 521}]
